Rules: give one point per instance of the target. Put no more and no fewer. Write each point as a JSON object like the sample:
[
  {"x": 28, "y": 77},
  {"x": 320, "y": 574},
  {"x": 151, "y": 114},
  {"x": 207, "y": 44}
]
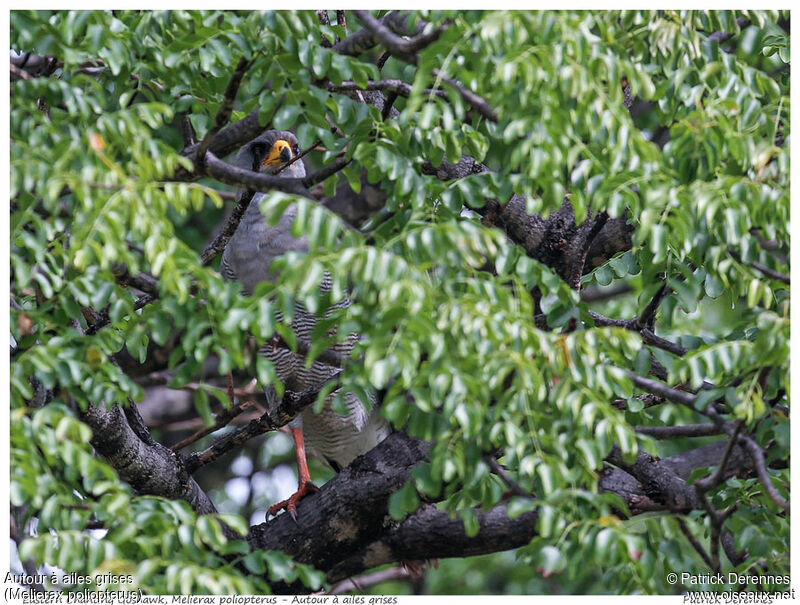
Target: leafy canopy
[{"x": 444, "y": 304}]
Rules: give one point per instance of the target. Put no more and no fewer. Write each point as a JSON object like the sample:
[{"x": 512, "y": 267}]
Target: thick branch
[
  {"x": 349, "y": 511},
  {"x": 556, "y": 241},
  {"x": 150, "y": 468},
  {"x": 431, "y": 533},
  {"x": 329, "y": 537},
  {"x": 247, "y": 179}
]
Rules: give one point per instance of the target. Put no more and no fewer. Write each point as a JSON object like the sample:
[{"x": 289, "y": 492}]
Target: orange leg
[{"x": 304, "y": 485}]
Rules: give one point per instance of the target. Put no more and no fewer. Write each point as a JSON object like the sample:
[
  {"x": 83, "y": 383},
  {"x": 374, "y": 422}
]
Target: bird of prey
[{"x": 248, "y": 258}]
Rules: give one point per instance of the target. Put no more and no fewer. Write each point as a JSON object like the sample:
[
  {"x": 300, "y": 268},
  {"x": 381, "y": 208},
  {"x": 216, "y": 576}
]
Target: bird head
[{"x": 271, "y": 151}]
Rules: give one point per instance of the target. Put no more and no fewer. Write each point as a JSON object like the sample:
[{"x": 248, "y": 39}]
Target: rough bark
[
  {"x": 349, "y": 511},
  {"x": 327, "y": 535},
  {"x": 148, "y": 466},
  {"x": 570, "y": 249},
  {"x": 431, "y": 533},
  {"x": 650, "y": 483}
]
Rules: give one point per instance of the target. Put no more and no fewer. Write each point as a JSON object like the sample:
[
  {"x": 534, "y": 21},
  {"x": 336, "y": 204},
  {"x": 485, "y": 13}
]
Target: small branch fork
[
  {"x": 407, "y": 49},
  {"x": 223, "y": 418},
  {"x": 703, "y": 486},
  {"x": 398, "y": 46},
  {"x": 290, "y": 405},
  {"x": 747, "y": 442}
]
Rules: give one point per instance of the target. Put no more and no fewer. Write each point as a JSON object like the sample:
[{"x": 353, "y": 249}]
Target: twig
[
  {"x": 382, "y": 60},
  {"x": 388, "y": 102},
  {"x": 223, "y": 418},
  {"x": 325, "y": 172},
  {"x": 223, "y": 113},
  {"x": 764, "y": 243},
  {"x": 659, "y": 388},
  {"x": 723, "y": 36},
  {"x": 477, "y": 102},
  {"x": 224, "y": 236},
  {"x": 142, "y": 281},
  {"x": 708, "y": 483},
  {"x": 693, "y": 541},
  {"x": 299, "y": 156},
  {"x": 594, "y": 294},
  {"x": 648, "y": 336},
  {"x": 290, "y": 405},
  {"x": 498, "y": 470},
  {"x": 762, "y": 268},
  {"x": 103, "y": 319},
  {"x": 678, "y": 432},
  {"x": 757, "y": 454},
  {"x": 645, "y": 320}
]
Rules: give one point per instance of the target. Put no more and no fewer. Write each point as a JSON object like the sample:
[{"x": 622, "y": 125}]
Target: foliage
[{"x": 444, "y": 303}]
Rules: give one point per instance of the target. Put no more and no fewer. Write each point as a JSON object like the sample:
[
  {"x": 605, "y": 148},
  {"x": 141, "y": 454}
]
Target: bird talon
[{"x": 290, "y": 504}]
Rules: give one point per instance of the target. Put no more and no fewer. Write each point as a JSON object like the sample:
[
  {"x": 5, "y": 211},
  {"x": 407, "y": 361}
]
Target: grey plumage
[{"x": 247, "y": 258}]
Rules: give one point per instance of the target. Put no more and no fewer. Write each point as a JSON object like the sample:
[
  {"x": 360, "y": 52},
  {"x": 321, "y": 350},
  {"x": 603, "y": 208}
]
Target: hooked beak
[{"x": 280, "y": 153}]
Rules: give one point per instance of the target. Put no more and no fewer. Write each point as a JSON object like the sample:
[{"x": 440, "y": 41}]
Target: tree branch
[
  {"x": 247, "y": 179},
  {"x": 663, "y": 390},
  {"x": 478, "y": 103},
  {"x": 224, "y": 112},
  {"x": 399, "y": 47},
  {"x": 226, "y": 233},
  {"x": 149, "y": 467},
  {"x": 762, "y": 268},
  {"x": 290, "y": 405},
  {"x": 757, "y": 454},
  {"x": 329, "y": 538},
  {"x": 686, "y": 430},
  {"x": 397, "y": 87},
  {"x": 364, "y": 39},
  {"x": 430, "y": 533}
]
